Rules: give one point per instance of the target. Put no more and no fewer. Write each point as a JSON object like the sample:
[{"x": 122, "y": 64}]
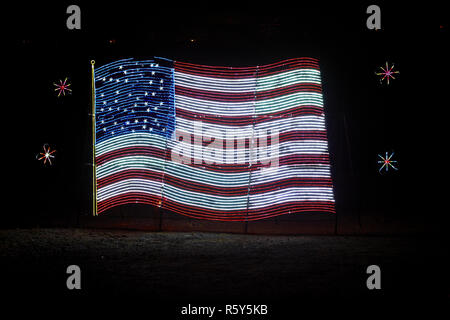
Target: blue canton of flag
[{"x": 135, "y": 96}]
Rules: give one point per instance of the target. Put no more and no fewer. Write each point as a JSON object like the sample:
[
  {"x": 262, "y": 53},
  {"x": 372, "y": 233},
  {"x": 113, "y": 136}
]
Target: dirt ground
[{"x": 208, "y": 267}]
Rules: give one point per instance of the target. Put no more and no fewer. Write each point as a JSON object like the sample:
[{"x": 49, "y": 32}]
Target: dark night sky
[{"x": 378, "y": 118}]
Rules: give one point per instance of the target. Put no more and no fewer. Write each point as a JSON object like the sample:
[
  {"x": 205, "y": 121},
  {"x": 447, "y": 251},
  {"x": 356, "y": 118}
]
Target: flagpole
[{"x": 94, "y": 173}]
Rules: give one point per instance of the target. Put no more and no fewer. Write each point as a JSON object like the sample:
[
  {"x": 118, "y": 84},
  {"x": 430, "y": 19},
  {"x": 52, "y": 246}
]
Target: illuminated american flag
[{"x": 217, "y": 120}]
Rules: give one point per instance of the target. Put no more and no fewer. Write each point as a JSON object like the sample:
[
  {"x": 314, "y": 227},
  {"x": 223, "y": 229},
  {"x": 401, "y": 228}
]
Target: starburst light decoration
[
  {"x": 387, "y": 162},
  {"x": 47, "y": 155},
  {"x": 62, "y": 87}
]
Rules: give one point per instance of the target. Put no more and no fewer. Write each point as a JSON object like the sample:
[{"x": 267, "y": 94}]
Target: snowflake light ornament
[
  {"x": 62, "y": 87},
  {"x": 387, "y": 73},
  {"x": 387, "y": 162},
  {"x": 46, "y": 155}
]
